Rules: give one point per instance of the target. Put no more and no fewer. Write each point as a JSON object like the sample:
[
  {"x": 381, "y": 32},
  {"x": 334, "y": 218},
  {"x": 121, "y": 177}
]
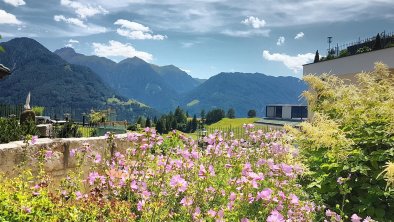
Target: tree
[
  {"x": 147, "y": 122},
  {"x": 180, "y": 116},
  {"x": 317, "y": 56},
  {"x": 378, "y": 43},
  {"x": 160, "y": 126},
  {"x": 202, "y": 115},
  {"x": 194, "y": 124},
  {"x": 251, "y": 113},
  {"x": 231, "y": 113},
  {"x": 214, "y": 116}
]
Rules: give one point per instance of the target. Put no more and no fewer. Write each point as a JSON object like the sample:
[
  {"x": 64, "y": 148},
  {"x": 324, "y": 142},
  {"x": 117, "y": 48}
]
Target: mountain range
[
  {"x": 165, "y": 87},
  {"x": 55, "y": 83},
  {"x": 70, "y": 79}
]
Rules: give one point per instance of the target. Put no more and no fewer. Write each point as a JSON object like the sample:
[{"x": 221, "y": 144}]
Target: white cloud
[
  {"x": 118, "y": 49},
  {"x": 15, "y": 3},
  {"x": 7, "y": 18},
  {"x": 82, "y": 28},
  {"x": 84, "y": 11},
  {"x": 73, "y": 21},
  {"x": 248, "y": 33},
  {"x": 71, "y": 43},
  {"x": 134, "y": 30},
  {"x": 188, "y": 71},
  {"x": 299, "y": 35},
  {"x": 292, "y": 62},
  {"x": 254, "y": 22},
  {"x": 281, "y": 40}
]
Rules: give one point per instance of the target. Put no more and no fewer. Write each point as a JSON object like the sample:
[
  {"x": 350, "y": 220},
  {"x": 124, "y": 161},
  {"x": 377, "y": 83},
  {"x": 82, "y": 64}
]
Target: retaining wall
[{"x": 11, "y": 154}]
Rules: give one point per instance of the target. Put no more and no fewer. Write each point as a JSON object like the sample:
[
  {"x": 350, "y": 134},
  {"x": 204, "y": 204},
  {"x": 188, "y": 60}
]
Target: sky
[{"x": 202, "y": 37}]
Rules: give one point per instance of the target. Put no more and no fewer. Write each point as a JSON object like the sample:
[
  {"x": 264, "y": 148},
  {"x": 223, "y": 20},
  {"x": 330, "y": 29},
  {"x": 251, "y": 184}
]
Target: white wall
[
  {"x": 352, "y": 64},
  {"x": 286, "y": 112}
]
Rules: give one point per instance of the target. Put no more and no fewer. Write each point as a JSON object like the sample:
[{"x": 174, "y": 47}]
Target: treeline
[
  {"x": 177, "y": 120},
  {"x": 180, "y": 120}
]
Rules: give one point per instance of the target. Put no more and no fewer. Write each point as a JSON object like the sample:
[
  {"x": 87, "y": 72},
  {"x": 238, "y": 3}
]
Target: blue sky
[{"x": 202, "y": 37}]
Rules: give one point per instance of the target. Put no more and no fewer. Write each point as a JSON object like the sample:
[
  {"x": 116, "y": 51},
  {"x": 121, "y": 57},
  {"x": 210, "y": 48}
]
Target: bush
[
  {"x": 344, "y": 53},
  {"x": 251, "y": 113},
  {"x": 363, "y": 49},
  {"x": 349, "y": 141},
  {"x": 11, "y": 130}
]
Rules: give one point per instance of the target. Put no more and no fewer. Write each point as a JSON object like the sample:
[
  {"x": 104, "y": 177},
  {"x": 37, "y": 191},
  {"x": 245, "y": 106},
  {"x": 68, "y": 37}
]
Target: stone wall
[{"x": 11, "y": 154}]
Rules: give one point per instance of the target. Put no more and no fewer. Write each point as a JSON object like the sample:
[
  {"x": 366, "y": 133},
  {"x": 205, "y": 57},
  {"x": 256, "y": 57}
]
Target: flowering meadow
[{"x": 170, "y": 179}]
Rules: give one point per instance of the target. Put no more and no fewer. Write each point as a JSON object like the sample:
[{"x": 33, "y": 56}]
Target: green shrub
[
  {"x": 11, "y": 130},
  {"x": 348, "y": 142},
  {"x": 38, "y": 110},
  {"x": 344, "y": 53},
  {"x": 363, "y": 49}
]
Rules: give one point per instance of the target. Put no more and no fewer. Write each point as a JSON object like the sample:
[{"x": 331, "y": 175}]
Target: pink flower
[
  {"x": 34, "y": 139},
  {"x": 93, "y": 176},
  {"x": 146, "y": 194},
  {"x": 197, "y": 213},
  {"x": 26, "y": 209},
  {"x": 232, "y": 196},
  {"x": 78, "y": 195},
  {"x": 140, "y": 205},
  {"x": 355, "y": 218},
  {"x": 265, "y": 194},
  {"x": 97, "y": 158},
  {"x": 211, "y": 213},
  {"x": 275, "y": 217},
  {"x": 187, "y": 201},
  {"x": 294, "y": 199},
  {"x": 178, "y": 182},
  {"x": 211, "y": 170},
  {"x": 202, "y": 173},
  {"x": 48, "y": 154},
  {"x": 72, "y": 152},
  {"x": 244, "y": 219}
]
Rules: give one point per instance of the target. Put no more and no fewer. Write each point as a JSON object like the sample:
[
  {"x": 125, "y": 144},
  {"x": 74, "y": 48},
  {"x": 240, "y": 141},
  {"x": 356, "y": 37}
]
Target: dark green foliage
[
  {"x": 11, "y": 130},
  {"x": 231, "y": 113},
  {"x": 27, "y": 116},
  {"x": 194, "y": 124},
  {"x": 251, "y": 113},
  {"x": 344, "y": 53},
  {"x": 244, "y": 91},
  {"x": 317, "y": 56},
  {"x": 68, "y": 130},
  {"x": 147, "y": 122},
  {"x": 176, "y": 121},
  {"x": 378, "y": 43},
  {"x": 214, "y": 116},
  {"x": 202, "y": 115},
  {"x": 160, "y": 126}
]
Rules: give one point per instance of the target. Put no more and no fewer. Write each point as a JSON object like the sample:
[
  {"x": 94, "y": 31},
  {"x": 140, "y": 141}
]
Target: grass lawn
[{"x": 226, "y": 123}]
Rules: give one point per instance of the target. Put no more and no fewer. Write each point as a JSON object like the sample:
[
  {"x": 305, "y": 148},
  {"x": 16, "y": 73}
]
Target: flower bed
[{"x": 171, "y": 179}]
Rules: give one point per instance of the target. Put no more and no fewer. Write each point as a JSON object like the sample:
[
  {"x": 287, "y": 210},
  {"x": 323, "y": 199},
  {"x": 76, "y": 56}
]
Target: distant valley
[{"x": 68, "y": 78}]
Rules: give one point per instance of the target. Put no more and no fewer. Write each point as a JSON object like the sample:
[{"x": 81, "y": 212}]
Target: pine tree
[
  {"x": 194, "y": 124},
  {"x": 378, "y": 43},
  {"x": 317, "y": 57},
  {"x": 147, "y": 122},
  {"x": 160, "y": 127}
]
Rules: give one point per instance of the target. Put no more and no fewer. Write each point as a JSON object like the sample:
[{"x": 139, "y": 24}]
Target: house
[{"x": 355, "y": 58}]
